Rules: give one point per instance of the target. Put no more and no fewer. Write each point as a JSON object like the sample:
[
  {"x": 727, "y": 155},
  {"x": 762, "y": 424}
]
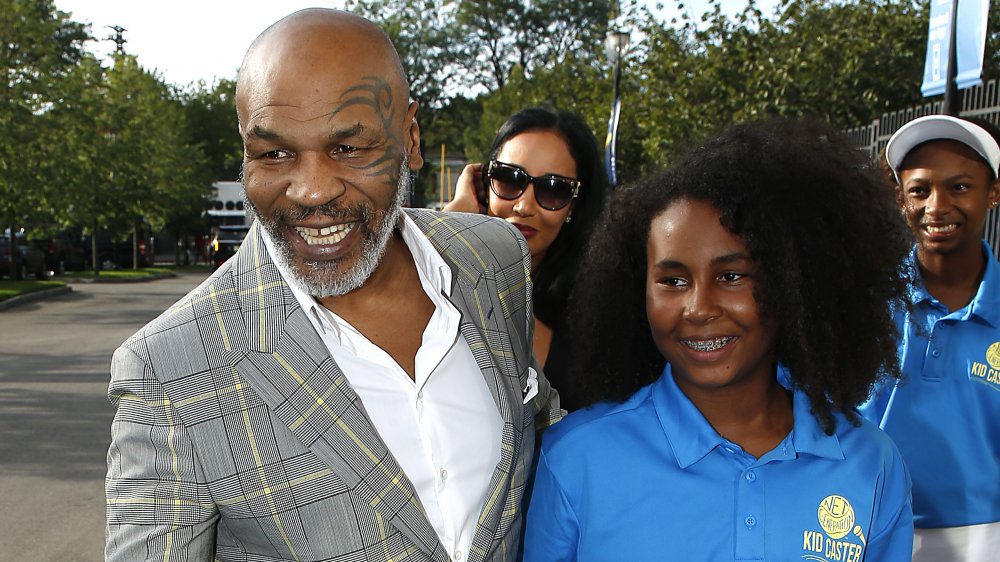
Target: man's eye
[
  {"x": 274, "y": 154},
  {"x": 346, "y": 149}
]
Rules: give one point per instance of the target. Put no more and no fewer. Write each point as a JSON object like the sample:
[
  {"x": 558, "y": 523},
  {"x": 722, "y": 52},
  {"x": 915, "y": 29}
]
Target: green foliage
[
  {"x": 212, "y": 126},
  {"x": 38, "y": 47},
  {"x": 844, "y": 61}
]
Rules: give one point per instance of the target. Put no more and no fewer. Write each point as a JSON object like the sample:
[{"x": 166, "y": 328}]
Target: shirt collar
[
  {"x": 692, "y": 438},
  {"x": 433, "y": 271},
  {"x": 985, "y": 304}
]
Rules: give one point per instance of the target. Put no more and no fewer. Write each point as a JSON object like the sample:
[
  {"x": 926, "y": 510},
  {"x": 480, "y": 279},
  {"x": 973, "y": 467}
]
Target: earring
[
  {"x": 570, "y": 217},
  {"x": 993, "y": 205}
]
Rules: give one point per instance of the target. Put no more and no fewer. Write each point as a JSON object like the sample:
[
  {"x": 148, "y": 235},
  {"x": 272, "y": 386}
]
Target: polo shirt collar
[
  {"x": 692, "y": 438},
  {"x": 985, "y": 305}
]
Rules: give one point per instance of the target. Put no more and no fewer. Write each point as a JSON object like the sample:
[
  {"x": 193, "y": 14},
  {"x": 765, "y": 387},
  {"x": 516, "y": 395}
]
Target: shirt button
[
  {"x": 420, "y": 395},
  {"x": 444, "y": 475},
  {"x": 936, "y": 353},
  {"x": 458, "y": 555},
  {"x": 751, "y": 476},
  {"x": 750, "y": 521}
]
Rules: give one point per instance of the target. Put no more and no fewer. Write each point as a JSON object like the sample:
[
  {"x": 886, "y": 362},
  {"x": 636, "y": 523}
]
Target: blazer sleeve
[
  {"x": 157, "y": 504},
  {"x": 547, "y": 407}
]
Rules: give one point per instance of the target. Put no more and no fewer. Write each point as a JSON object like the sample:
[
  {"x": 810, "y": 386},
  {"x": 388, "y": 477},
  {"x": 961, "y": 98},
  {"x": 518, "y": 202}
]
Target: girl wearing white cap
[{"x": 944, "y": 414}]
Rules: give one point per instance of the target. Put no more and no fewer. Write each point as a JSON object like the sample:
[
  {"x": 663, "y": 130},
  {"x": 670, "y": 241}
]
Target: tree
[
  {"x": 211, "y": 119},
  {"x": 844, "y": 61},
  {"x": 38, "y": 47},
  {"x": 497, "y": 36}
]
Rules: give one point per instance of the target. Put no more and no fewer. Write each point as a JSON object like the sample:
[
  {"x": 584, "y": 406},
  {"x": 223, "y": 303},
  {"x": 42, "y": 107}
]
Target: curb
[
  {"x": 34, "y": 296},
  {"x": 143, "y": 279}
]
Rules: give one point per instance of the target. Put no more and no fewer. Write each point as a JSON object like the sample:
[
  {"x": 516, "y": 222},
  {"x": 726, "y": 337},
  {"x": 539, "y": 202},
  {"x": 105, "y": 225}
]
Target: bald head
[{"x": 316, "y": 49}]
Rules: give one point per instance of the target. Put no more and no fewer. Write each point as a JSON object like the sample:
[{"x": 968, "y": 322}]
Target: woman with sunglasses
[{"x": 544, "y": 175}]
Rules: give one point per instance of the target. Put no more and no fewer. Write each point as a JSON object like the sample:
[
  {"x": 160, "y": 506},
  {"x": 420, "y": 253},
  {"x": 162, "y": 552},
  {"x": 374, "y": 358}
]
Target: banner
[{"x": 970, "y": 43}]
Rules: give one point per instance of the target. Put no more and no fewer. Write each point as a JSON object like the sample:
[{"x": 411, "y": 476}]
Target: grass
[
  {"x": 118, "y": 273},
  {"x": 10, "y": 289}
]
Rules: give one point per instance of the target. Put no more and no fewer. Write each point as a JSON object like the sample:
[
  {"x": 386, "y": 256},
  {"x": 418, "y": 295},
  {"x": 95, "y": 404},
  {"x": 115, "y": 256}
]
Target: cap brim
[{"x": 941, "y": 127}]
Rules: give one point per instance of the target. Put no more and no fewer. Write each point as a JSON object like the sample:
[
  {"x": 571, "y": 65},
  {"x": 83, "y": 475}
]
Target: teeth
[
  {"x": 328, "y": 235},
  {"x": 941, "y": 229},
  {"x": 708, "y": 345}
]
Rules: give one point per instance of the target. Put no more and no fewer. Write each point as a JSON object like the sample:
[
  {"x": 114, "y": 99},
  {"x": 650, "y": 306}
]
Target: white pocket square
[{"x": 531, "y": 389}]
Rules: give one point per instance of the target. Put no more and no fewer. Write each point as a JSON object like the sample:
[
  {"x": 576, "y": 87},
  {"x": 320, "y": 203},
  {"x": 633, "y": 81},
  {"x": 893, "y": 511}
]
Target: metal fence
[{"x": 980, "y": 101}]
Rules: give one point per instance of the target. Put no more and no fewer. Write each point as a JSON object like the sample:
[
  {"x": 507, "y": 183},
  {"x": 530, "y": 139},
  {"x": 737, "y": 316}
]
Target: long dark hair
[{"x": 555, "y": 274}]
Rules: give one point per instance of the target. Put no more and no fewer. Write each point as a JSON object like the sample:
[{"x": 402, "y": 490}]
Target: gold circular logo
[
  {"x": 836, "y": 516},
  {"x": 993, "y": 356}
]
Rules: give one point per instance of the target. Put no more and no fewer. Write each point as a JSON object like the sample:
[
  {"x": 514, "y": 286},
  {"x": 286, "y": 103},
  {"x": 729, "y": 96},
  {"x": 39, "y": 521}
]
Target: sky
[{"x": 190, "y": 40}]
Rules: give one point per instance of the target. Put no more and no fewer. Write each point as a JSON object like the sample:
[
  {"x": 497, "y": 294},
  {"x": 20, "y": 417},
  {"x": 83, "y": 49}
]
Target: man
[
  {"x": 356, "y": 382},
  {"x": 944, "y": 414}
]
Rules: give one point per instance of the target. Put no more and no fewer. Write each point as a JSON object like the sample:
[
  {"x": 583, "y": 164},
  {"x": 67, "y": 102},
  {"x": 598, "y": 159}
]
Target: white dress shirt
[{"x": 443, "y": 428}]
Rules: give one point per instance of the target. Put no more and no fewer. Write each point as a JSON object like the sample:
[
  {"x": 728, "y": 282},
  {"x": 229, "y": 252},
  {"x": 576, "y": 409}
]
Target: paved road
[{"x": 54, "y": 415}]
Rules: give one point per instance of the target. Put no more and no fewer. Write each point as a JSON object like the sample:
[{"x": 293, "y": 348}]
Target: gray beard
[{"x": 328, "y": 278}]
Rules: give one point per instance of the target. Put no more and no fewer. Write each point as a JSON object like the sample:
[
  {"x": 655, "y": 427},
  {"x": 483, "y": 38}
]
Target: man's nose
[{"x": 314, "y": 181}]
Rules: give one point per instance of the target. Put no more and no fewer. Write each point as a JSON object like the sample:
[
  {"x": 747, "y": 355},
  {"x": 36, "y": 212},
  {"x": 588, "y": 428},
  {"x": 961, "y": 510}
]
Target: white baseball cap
[{"x": 937, "y": 127}]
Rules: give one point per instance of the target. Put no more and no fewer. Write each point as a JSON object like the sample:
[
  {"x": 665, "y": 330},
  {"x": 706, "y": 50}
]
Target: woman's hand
[{"x": 470, "y": 182}]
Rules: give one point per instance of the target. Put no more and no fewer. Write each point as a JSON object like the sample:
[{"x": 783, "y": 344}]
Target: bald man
[{"x": 357, "y": 382}]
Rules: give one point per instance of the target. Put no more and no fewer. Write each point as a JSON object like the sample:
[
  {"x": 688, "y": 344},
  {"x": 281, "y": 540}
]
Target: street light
[{"x": 615, "y": 45}]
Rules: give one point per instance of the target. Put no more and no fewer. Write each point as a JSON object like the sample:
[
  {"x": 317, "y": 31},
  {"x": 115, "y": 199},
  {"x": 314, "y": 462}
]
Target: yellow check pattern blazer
[{"x": 238, "y": 438}]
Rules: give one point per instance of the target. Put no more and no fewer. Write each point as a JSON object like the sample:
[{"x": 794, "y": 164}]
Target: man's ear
[{"x": 412, "y": 138}]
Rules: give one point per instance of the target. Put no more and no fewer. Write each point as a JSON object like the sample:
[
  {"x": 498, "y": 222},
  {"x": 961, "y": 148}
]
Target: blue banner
[{"x": 970, "y": 41}]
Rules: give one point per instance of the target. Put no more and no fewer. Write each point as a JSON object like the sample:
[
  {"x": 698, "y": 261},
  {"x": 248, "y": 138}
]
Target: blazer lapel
[
  {"x": 288, "y": 365},
  {"x": 484, "y": 327}
]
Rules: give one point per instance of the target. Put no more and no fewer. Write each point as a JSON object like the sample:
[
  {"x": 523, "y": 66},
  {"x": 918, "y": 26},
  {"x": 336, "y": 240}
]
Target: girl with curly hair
[{"x": 739, "y": 307}]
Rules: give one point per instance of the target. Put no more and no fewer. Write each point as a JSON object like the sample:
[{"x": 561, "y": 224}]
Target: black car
[
  {"x": 227, "y": 240},
  {"x": 29, "y": 260}
]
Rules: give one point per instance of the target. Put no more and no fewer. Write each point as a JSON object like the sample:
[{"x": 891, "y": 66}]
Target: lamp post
[{"x": 615, "y": 45}]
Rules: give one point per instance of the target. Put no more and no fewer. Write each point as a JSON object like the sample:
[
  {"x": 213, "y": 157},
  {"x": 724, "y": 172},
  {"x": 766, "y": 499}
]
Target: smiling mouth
[
  {"x": 941, "y": 229},
  {"x": 708, "y": 345},
  {"x": 325, "y": 236}
]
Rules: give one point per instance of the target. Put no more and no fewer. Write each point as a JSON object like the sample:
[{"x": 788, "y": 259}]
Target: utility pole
[{"x": 118, "y": 38}]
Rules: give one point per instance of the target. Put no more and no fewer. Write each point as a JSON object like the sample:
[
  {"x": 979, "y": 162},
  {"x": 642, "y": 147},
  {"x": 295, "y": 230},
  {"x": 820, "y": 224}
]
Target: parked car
[
  {"x": 29, "y": 261},
  {"x": 227, "y": 240},
  {"x": 64, "y": 251}
]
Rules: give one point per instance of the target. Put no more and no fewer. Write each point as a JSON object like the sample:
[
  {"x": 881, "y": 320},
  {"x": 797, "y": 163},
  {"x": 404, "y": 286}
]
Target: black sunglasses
[{"x": 553, "y": 192}]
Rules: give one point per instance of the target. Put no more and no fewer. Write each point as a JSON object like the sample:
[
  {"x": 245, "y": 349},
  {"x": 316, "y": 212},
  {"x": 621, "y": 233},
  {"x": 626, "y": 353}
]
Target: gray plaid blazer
[{"x": 237, "y": 437}]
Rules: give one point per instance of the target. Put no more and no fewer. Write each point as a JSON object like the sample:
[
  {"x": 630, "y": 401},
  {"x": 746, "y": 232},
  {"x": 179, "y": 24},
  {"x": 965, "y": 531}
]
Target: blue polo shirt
[
  {"x": 944, "y": 415},
  {"x": 651, "y": 479}
]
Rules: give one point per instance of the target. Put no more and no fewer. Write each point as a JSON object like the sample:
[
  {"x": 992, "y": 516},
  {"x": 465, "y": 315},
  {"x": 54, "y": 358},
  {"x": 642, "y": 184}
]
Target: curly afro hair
[{"x": 827, "y": 239}]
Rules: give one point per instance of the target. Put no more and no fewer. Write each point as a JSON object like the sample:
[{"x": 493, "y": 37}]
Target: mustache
[{"x": 330, "y": 210}]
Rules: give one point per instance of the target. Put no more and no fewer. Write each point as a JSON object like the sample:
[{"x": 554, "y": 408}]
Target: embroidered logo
[
  {"x": 988, "y": 373},
  {"x": 993, "y": 355},
  {"x": 841, "y": 540}
]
